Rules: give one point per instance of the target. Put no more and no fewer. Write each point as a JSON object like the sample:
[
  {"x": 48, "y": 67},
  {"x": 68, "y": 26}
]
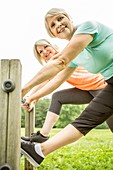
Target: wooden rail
[
  {"x": 29, "y": 128},
  {"x": 10, "y": 113}
]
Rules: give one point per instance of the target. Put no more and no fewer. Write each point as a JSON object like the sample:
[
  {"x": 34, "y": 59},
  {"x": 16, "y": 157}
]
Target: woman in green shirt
[{"x": 90, "y": 45}]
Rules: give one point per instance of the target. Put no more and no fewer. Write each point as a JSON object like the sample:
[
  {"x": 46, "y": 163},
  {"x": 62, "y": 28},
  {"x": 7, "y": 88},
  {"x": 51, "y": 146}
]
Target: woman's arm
[
  {"x": 59, "y": 61},
  {"x": 51, "y": 85},
  {"x": 44, "y": 74},
  {"x": 38, "y": 87}
]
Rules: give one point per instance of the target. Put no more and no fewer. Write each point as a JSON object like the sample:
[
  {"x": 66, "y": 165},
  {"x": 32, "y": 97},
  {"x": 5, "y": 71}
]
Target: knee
[{"x": 56, "y": 96}]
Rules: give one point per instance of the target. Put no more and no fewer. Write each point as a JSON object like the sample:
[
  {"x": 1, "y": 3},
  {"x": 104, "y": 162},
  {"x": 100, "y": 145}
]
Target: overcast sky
[{"x": 22, "y": 23}]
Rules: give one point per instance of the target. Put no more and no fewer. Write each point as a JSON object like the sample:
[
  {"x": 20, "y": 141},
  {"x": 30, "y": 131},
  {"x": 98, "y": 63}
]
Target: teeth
[
  {"x": 61, "y": 29},
  {"x": 47, "y": 54}
]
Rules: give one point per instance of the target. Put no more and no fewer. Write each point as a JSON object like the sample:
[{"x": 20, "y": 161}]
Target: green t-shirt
[{"x": 97, "y": 57}]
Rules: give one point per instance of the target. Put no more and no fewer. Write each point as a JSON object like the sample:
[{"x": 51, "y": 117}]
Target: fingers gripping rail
[{"x": 23, "y": 101}]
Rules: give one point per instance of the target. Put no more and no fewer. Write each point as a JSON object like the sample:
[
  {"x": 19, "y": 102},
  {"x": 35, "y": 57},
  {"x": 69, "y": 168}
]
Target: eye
[
  {"x": 59, "y": 18},
  {"x": 45, "y": 46},
  {"x": 52, "y": 25},
  {"x": 40, "y": 51}
]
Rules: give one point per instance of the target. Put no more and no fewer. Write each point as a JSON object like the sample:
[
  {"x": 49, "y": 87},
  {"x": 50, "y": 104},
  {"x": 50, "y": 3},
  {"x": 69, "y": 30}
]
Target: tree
[
  {"x": 41, "y": 110},
  {"x": 68, "y": 114}
]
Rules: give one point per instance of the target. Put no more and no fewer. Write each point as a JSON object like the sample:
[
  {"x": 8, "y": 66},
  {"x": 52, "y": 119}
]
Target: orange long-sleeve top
[{"x": 84, "y": 80}]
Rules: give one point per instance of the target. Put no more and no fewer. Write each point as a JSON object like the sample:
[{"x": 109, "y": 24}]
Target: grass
[{"x": 92, "y": 152}]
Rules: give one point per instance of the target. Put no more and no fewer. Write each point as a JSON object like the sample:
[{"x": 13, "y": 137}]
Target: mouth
[
  {"x": 47, "y": 54},
  {"x": 61, "y": 29}
]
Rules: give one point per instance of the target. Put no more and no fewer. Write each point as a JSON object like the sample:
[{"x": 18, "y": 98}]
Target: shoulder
[
  {"x": 89, "y": 27},
  {"x": 87, "y": 24}
]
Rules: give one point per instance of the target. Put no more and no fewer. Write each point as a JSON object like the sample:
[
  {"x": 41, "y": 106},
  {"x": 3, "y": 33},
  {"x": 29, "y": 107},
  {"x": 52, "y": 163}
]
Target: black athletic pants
[{"x": 86, "y": 121}]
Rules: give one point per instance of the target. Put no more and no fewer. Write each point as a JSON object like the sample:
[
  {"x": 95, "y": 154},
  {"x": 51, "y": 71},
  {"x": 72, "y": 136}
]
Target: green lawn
[{"x": 92, "y": 152}]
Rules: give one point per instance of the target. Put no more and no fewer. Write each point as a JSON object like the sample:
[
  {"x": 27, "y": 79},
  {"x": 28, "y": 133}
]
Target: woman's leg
[
  {"x": 67, "y": 96},
  {"x": 109, "y": 122},
  {"x": 66, "y": 136},
  {"x": 51, "y": 119},
  {"x": 35, "y": 152},
  {"x": 99, "y": 109}
]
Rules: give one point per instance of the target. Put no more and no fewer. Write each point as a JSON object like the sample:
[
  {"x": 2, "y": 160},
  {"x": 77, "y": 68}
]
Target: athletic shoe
[
  {"x": 25, "y": 139},
  {"x": 35, "y": 137},
  {"x": 28, "y": 150}
]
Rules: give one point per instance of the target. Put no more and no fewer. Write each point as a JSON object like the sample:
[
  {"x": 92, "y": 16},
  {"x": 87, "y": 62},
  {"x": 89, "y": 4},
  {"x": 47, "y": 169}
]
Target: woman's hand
[{"x": 27, "y": 104}]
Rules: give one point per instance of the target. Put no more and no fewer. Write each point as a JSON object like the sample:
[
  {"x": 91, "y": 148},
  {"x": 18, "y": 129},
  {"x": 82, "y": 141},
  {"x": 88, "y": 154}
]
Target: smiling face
[
  {"x": 60, "y": 26},
  {"x": 46, "y": 52}
]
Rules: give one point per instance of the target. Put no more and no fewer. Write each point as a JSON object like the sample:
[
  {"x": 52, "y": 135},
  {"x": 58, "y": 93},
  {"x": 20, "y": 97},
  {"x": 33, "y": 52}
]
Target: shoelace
[
  {"x": 28, "y": 143},
  {"x": 35, "y": 134}
]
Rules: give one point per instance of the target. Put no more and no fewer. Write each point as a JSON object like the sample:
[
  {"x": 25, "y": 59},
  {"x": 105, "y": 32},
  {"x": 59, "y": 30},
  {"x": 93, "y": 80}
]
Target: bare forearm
[
  {"x": 47, "y": 72},
  {"x": 53, "y": 84},
  {"x": 38, "y": 87},
  {"x": 50, "y": 87}
]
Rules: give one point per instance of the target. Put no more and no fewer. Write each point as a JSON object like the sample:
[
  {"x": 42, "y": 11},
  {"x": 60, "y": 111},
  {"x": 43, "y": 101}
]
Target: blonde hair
[
  {"x": 42, "y": 42},
  {"x": 53, "y": 12}
]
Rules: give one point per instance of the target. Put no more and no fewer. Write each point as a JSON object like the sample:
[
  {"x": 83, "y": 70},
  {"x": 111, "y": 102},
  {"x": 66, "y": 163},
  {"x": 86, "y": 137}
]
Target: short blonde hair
[
  {"x": 42, "y": 42},
  {"x": 53, "y": 12}
]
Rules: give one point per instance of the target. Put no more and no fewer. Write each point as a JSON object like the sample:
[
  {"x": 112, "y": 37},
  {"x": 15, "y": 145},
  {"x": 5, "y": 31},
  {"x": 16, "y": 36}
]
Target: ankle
[
  {"x": 43, "y": 149},
  {"x": 43, "y": 134},
  {"x": 38, "y": 150}
]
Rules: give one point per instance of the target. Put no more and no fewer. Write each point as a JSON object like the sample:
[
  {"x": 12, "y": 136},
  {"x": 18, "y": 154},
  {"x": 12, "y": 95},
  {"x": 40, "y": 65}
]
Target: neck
[{"x": 70, "y": 36}]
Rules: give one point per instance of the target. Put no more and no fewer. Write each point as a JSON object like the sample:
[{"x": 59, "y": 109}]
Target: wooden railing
[
  {"x": 29, "y": 128},
  {"x": 10, "y": 117}
]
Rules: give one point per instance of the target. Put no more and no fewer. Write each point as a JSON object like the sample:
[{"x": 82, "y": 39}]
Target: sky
[{"x": 22, "y": 24}]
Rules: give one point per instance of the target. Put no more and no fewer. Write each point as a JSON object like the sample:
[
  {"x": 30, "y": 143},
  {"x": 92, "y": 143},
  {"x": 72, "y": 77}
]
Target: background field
[{"x": 92, "y": 152}]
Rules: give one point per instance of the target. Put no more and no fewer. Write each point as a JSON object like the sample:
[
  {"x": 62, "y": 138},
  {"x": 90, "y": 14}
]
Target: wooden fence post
[
  {"x": 29, "y": 128},
  {"x": 10, "y": 117}
]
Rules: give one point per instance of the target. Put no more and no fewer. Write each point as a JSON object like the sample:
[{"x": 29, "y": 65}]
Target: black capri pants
[
  {"x": 74, "y": 96},
  {"x": 99, "y": 109}
]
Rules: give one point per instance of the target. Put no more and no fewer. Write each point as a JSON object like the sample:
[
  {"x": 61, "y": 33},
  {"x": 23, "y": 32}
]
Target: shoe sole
[{"x": 29, "y": 158}]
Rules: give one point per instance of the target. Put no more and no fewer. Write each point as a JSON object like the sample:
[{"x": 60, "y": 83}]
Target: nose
[
  {"x": 58, "y": 24},
  {"x": 44, "y": 51}
]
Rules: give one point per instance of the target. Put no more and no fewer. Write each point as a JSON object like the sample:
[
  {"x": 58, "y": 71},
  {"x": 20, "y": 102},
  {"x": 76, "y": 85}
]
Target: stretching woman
[
  {"x": 87, "y": 85},
  {"x": 90, "y": 45}
]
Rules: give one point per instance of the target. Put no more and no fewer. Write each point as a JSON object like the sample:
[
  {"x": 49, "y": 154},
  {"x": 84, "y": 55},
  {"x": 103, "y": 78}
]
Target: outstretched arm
[
  {"x": 37, "y": 88},
  {"x": 50, "y": 86},
  {"x": 47, "y": 72},
  {"x": 59, "y": 61},
  {"x": 32, "y": 91}
]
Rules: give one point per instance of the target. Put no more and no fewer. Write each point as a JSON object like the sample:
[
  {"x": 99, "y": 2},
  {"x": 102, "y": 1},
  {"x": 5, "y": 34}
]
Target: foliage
[
  {"x": 92, "y": 152},
  {"x": 41, "y": 111},
  {"x": 68, "y": 113}
]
